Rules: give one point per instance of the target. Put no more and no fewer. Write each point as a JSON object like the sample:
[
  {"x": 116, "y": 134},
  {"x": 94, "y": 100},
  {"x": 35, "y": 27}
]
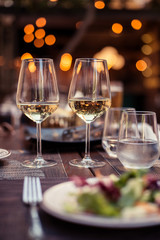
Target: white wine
[
  {"x": 38, "y": 112},
  {"x": 88, "y": 109}
]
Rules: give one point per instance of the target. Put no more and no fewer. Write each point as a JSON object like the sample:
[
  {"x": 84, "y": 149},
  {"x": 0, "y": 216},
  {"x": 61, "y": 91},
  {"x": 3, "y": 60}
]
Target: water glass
[
  {"x": 138, "y": 142},
  {"x": 111, "y": 130}
]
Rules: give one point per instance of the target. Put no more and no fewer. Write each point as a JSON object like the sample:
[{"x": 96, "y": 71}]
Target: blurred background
[{"x": 125, "y": 32}]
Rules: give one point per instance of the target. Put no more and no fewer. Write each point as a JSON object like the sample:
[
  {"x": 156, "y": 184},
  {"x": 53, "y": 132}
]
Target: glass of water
[
  {"x": 111, "y": 130},
  {"x": 138, "y": 142}
]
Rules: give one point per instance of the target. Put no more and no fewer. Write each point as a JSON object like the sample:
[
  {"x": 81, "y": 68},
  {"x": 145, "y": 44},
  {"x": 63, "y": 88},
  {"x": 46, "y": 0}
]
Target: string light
[
  {"x": 117, "y": 28},
  {"x": 40, "y": 33},
  {"x": 38, "y": 43},
  {"x": 141, "y": 65},
  {"x": 99, "y": 4},
  {"x": 41, "y": 22},
  {"x": 28, "y": 38},
  {"x": 136, "y": 24},
  {"x": 26, "y": 56},
  {"x": 66, "y": 61},
  {"x": 50, "y": 40},
  {"x": 29, "y": 28}
]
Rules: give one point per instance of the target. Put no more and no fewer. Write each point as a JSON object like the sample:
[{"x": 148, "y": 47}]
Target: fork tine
[
  {"x": 39, "y": 190},
  {"x": 29, "y": 190},
  {"x": 34, "y": 194},
  {"x": 25, "y": 191}
]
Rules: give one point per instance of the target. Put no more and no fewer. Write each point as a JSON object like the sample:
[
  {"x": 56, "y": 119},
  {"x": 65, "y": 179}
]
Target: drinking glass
[
  {"x": 111, "y": 129},
  {"x": 89, "y": 97},
  {"x": 37, "y": 97},
  {"x": 138, "y": 142}
]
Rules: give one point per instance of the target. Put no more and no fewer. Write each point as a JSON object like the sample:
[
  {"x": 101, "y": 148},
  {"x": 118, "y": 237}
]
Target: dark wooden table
[{"x": 14, "y": 215}]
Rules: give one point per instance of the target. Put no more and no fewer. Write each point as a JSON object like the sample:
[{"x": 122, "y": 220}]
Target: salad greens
[{"x": 133, "y": 194}]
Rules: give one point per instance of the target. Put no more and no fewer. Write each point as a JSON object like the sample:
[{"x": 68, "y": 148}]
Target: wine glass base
[
  {"x": 87, "y": 163},
  {"x": 38, "y": 164}
]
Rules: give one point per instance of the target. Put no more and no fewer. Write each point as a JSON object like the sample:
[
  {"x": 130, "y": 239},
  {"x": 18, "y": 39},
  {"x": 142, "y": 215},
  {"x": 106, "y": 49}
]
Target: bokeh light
[
  {"x": 40, "y": 33},
  {"x": 146, "y": 49},
  {"x": 50, "y": 39},
  {"x": 99, "y": 4},
  {"x": 28, "y": 38},
  {"x": 38, "y": 43},
  {"x": 147, "y": 38},
  {"x": 26, "y": 56},
  {"x": 136, "y": 24},
  {"x": 148, "y": 72},
  {"x": 29, "y": 28},
  {"x": 113, "y": 58},
  {"x": 117, "y": 28},
  {"x": 66, "y": 61},
  {"x": 141, "y": 65},
  {"x": 32, "y": 67},
  {"x": 41, "y": 22}
]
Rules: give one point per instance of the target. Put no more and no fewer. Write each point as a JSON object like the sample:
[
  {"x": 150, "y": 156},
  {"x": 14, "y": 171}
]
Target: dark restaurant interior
[{"x": 124, "y": 32}]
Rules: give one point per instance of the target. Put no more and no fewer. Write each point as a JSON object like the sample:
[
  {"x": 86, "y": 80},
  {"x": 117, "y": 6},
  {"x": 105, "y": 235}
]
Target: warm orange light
[
  {"x": 32, "y": 67},
  {"x": 50, "y": 40},
  {"x": 38, "y": 43},
  {"x": 79, "y": 24},
  {"x": 26, "y": 56},
  {"x": 28, "y": 38},
  {"x": 53, "y": 0},
  {"x": 66, "y": 61},
  {"x": 117, "y": 28},
  {"x": 141, "y": 65},
  {"x": 99, "y": 4},
  {"x": 136, "y": 24},
  {"x": 40, "y": 33},
  {"x": 41, "y": 22},
  {"x": 29, "y": 28}
]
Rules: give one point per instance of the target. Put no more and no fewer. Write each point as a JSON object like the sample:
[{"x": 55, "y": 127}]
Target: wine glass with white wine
[
  {"x": 37, "y": 97},
  {"x": 89, "y": 97}
]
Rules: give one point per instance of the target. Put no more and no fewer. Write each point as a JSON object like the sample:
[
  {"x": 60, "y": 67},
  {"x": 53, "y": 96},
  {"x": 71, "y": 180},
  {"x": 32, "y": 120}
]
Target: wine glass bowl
[
  {"x": 89, "y": 97},
  {"x": 138, "y": 142},
  {"x": 37, "y": 97}
]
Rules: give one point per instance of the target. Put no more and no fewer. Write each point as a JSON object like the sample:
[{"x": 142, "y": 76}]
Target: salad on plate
[{"x": 134, "y": 194}]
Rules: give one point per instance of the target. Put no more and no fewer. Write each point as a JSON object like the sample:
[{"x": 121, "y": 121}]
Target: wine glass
[
  {"x": 37, "y": 97},
  {"x": 138, "y": 141},
  {"x": 89, "y": 97}
]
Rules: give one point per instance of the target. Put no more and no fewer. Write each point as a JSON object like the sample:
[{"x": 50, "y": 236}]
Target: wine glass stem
[
  {"x": 39, "y": 142},
  {"x": 87, "y": 143}
]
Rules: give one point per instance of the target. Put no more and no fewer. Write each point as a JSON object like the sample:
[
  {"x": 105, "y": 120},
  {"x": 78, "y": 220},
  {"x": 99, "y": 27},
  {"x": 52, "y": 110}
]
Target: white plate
[
  {"x": 4, "y": 153},
  {"x": 55, "y": 197}
]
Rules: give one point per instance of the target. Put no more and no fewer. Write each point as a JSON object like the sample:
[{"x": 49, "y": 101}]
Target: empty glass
[
  {"x": 111, "y": 130},
  {"x": 138, "y": 142}
]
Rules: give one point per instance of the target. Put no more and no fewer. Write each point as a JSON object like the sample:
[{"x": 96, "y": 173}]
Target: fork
[{"x": 32, "y": 195}]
